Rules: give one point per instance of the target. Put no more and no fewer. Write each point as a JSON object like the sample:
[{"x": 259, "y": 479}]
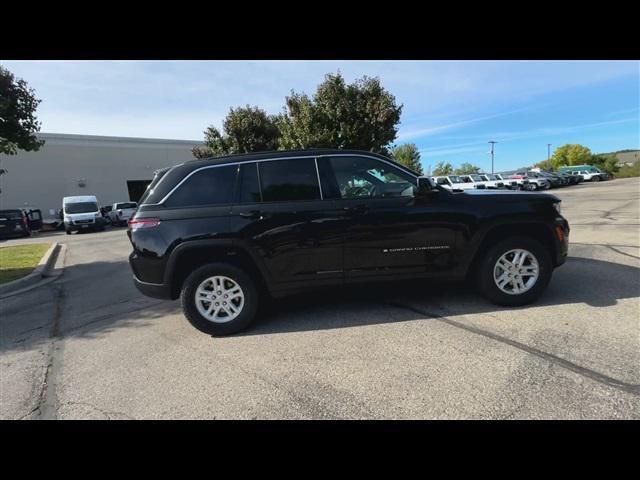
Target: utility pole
[
  {"x": 548, "y": 151},
  {"x": 492, "y": 142}
]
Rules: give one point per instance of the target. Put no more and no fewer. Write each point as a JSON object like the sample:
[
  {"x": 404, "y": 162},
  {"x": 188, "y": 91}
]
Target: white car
[
  {"x": 493, "y": 180},
  {"x": 452, "y": 182},
  {"x": 588, "y": 176},
  {"x": 122, "y": 212},
  {"x": 474, "y": 179}
]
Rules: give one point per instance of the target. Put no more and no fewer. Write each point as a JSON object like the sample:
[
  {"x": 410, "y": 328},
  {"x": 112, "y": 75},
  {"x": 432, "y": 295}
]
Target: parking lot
[{"x": 90, "y": 346}]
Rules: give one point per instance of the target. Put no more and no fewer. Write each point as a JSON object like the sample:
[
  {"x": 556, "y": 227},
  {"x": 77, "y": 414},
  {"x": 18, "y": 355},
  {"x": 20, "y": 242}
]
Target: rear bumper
[{"x": 561, "y": 232}]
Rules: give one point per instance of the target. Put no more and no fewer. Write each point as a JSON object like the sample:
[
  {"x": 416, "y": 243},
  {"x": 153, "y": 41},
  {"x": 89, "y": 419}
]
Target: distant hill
[{"x": 627, "y": 157}]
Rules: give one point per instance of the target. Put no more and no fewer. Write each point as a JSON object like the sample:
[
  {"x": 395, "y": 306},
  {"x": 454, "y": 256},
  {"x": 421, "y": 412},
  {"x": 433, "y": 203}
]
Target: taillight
[{"x": 139, "y": 223}]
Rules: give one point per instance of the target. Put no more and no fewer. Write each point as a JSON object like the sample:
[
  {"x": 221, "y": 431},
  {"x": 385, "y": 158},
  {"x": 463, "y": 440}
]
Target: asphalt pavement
[{"x": 89, "y": 346}]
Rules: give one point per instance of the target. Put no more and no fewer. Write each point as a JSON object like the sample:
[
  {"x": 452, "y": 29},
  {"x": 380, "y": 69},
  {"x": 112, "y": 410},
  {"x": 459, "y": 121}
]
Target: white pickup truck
[{"x": 122, "y": 212}]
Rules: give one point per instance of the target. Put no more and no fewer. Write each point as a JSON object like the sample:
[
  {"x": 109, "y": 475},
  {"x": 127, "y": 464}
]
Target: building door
[{"x": 136, "y": 188}]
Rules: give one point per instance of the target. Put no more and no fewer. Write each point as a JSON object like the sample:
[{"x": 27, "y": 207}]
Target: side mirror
[{"x": 425, "y": 187}]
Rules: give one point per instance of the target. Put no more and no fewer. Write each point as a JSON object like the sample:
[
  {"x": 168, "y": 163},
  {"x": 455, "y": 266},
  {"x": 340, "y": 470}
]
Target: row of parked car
[{"x": 534, "y": 179}]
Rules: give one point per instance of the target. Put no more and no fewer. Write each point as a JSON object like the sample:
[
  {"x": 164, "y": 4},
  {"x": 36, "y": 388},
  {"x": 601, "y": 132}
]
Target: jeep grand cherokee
[{"x": 220, "y": 232}]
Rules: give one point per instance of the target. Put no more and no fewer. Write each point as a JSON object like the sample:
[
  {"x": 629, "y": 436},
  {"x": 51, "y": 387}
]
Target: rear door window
[
  {"x": 210, "y": 186},
  {"x": 248, "y": 186},
  {"x": 289, "y": 180}
]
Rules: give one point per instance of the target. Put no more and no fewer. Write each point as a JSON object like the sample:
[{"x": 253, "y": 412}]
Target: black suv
[{"x": 221, "y": 232}]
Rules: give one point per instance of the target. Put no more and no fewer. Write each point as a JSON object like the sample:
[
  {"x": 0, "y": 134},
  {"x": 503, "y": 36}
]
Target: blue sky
[{"x": 451, "y": 108}]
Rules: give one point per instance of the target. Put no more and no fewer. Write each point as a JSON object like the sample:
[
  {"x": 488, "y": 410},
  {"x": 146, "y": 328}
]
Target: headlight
[{"x": 558, "y": 208}]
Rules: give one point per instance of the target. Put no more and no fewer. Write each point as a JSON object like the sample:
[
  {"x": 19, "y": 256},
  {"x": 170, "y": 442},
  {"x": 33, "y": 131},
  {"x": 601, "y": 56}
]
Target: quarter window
[
  {"x": 361, "y": 177},
  {"x": 211, "y": 186},
  {"x": 289, "y": 180}
]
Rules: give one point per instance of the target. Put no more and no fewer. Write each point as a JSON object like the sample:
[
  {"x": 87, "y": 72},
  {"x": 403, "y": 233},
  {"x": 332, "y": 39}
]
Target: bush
[{"x": 629, "y": 171}]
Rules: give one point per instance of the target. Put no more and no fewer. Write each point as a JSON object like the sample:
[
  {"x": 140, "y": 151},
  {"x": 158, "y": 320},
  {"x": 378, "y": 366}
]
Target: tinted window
[
  {"x": 289, "y": 180},
  {"x": 248, "y": 183},
  {"x": 12, "y": 214},
  {"x": 443, "y": 181},
  {"x": 126, "y": 205},
  {"x": 361, "y": 177},
  {"x": 211, "y": 186},
  {"x": 150, "y": 188}
]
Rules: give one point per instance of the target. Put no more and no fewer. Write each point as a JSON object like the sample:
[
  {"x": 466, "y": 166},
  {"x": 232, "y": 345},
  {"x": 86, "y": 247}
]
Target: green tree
[
  {"x": 18, "y": 122},
  {"x": 442, "y": 168},
  {"x": 607, "y": 162},
  {"x": 546, "y": 165},
  {"x": 570, "y": 154},
  {"x": 466, "y": 169},
  {"x": 408, "y": 155},
  {"x": 245, "y": 129},
  {"x": 361, "y": 115}
]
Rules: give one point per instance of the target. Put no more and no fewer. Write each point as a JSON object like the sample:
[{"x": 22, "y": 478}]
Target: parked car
[
  {"x": 222, "y": 233},
  {"x": 492, "y": 180},
  {"x": 590, "y": 172},
  {"x": 14, "y": 222},
  {"x": 81, "y": 213},
  {"x": 553, "y": 179},
  {"x": 590, "y": 175},
  {"x": 474, "y": 179},
  {"x": 122, "y": 212},
  {"x": 453, "y": 182},
  {"x": 518, "y": 181},
  {"x": 536, "y": 181}
]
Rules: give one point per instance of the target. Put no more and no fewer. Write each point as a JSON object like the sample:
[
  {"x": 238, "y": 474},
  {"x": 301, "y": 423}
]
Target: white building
[{"x": 114, "y": 169}]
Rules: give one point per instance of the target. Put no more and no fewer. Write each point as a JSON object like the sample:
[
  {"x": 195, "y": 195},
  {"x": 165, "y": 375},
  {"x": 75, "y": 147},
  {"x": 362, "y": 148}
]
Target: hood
[{"x": 511, "y": 195}]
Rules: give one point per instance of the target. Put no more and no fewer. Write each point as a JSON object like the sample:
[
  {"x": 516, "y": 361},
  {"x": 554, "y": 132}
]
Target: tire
[
  {"x": 595, "y": 179},
  {"x": 190, "y": 308},
  {"x": 485, "y": 272},
  {"x": 68, "y": 232}
]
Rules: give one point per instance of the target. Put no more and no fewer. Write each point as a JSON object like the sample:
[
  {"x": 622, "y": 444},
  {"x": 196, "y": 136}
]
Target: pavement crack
[
  {"x": 580, "y": 370},
  {"x": 47, "y": 397}
]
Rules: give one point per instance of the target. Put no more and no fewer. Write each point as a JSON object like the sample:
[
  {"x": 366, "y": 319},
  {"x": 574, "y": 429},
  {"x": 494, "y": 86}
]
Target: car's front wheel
[
  {"x": 514, "y": 272},
  {"x": 595, "y": 179},
  {"x": 219, "y": 299}
]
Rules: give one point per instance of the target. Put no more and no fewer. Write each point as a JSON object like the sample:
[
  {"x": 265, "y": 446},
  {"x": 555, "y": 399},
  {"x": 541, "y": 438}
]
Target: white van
[{"x": 81, "y": 213}]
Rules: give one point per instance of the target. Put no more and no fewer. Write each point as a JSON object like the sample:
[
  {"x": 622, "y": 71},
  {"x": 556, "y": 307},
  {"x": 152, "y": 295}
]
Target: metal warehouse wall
[{"x": 40, "y": 179}]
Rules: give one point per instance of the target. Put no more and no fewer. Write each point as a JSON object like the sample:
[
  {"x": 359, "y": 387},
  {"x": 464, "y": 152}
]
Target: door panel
[
  {"x": 386, "y": 229},
  {"x": 301, "y": 242}
]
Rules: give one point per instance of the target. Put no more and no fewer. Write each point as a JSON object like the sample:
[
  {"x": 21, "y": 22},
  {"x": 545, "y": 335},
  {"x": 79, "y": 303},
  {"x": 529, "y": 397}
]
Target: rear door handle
[{"x": 253, "y": 214}]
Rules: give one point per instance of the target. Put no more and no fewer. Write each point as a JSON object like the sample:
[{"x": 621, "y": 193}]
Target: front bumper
[{"x": 154, "y": 290}]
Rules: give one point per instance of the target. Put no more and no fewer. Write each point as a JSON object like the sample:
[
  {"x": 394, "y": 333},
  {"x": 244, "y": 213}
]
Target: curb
[{"x": 48, "y": 269}]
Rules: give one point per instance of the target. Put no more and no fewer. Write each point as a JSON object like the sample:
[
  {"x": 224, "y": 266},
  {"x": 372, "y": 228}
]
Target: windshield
[
  {"x": 491, "y": 176},
  {"x": 455, "y": 179},
  {"x": 81, "y": 207},
  {"x": 476, "y": 178}
]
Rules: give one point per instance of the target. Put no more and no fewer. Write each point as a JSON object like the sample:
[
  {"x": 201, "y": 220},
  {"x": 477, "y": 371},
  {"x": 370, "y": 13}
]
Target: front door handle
[{"x": 357, "y": 209}]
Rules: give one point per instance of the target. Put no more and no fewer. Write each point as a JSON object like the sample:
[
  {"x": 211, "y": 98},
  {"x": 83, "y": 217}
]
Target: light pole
[
  {"x": 548, "y": 151},
  {"x": 492, "y": 142}
]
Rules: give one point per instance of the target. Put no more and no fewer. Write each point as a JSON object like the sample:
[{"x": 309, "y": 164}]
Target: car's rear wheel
[
  {"x": 219, "y": 299},
  {"x": 514, "y": 272}
]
